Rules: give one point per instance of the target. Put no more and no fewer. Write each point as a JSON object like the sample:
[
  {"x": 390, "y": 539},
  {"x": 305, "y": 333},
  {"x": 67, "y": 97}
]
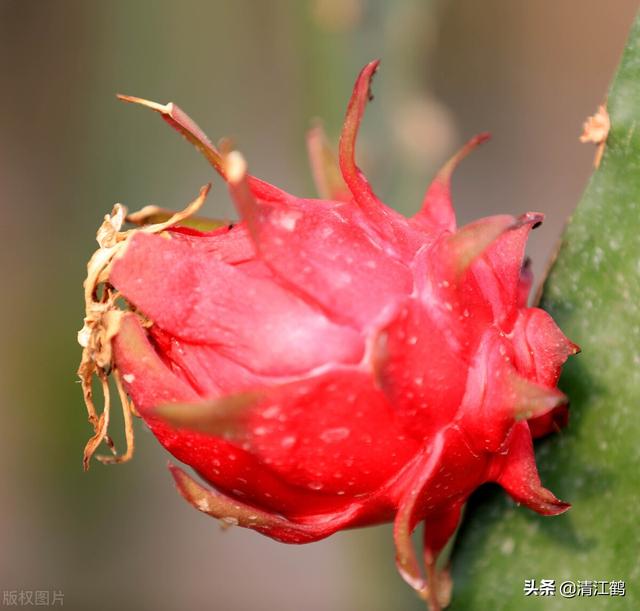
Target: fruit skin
[{"x": 326, "y": 364}]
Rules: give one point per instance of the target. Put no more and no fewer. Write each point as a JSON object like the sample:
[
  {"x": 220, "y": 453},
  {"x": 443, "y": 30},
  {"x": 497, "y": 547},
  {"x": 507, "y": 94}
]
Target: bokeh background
[{"x": 120, "y": 537}]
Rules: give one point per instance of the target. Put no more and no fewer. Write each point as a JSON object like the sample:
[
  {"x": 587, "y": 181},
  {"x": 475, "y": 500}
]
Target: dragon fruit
[{"x": 328, "y": 363}]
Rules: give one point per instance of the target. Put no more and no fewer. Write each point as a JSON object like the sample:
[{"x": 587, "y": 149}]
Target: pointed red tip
[
  {"x": 544, "y": 502},
  {"x": 437, "y": 208},
  {"x": 558, "y": 507},
  {"x": 372, "y": 66},
  {"x": 359, "y": 98},
  {"x": 534, "y": 219},
  {"x": 519, "y": 476},
  {"x": 444, "y": 175},
  {"x": 479, "y": 139}
]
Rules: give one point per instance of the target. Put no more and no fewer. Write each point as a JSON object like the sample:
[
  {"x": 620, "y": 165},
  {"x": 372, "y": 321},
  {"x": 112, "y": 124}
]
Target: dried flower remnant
[
  {"x": 102, "y": 322},
  {"x": 596, "y": 130},
  {"x": 328, "y": 363}
]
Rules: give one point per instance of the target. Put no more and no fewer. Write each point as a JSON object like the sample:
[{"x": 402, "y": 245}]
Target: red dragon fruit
[{"x": 327, "y": 364}]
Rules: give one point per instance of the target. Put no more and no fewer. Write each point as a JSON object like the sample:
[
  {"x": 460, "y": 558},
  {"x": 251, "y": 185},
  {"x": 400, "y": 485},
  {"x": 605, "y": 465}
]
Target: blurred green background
[{"x": 120, "y": 537}]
